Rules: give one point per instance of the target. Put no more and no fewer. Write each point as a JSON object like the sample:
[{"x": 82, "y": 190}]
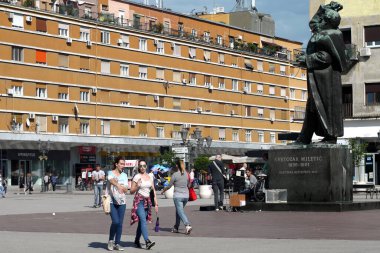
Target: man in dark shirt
[{"x": 218, "y": 173}]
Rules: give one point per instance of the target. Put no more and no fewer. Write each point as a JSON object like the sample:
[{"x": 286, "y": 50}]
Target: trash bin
[{"x": 69, "y": 188}]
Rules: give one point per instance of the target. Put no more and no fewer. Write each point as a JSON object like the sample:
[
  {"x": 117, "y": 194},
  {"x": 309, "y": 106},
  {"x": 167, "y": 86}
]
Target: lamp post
[
  {"x": 195, "y": 148},
  {"x": 44, "y": 148}
]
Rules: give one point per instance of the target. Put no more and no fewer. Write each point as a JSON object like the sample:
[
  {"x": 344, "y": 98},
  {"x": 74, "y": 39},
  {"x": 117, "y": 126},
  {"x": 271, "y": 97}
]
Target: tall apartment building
[
  {"x": 100, "y": 78},
  {"x": 360, "y": 26}
]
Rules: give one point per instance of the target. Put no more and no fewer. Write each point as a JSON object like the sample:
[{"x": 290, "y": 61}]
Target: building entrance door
[{"x": 19, "y": 169}]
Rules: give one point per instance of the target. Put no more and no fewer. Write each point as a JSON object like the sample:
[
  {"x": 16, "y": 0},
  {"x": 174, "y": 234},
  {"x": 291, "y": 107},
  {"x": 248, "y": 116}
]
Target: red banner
[{"x": 87, "y": 150}]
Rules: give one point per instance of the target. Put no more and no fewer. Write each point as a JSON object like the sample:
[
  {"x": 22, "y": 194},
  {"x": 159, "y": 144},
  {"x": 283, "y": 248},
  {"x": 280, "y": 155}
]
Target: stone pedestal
[{"x": 312, "y": 173}]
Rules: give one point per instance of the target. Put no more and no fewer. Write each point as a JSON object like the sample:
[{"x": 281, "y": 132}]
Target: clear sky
[{"x": 291, "y": 16}]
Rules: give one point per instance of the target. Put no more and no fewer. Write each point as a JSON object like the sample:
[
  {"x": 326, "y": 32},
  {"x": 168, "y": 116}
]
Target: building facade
[
  {"x": 360, "y": 26},
  {"x": 84, "y": 86}
]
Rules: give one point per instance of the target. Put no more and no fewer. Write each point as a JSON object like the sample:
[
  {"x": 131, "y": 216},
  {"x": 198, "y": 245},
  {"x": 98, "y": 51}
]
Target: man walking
[
  {"x": 98, "y": 178},
  {"x": 218, "y": 174}
]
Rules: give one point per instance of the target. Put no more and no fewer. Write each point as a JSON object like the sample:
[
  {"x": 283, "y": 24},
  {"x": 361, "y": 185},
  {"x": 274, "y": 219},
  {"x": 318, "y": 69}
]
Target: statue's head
[{"x": 327, "y": 17}]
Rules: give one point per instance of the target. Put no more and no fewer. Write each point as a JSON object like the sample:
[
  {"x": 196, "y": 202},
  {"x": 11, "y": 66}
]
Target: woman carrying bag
[
  {"x": 180, "y": 181},
  {"x": 142, "y": 184},
  {"x": 117, "y": 188}
]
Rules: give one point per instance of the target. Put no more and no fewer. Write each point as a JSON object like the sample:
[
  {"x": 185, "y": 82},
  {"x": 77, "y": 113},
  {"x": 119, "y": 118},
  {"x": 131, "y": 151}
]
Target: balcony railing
[{"x": 72, "y": 9}]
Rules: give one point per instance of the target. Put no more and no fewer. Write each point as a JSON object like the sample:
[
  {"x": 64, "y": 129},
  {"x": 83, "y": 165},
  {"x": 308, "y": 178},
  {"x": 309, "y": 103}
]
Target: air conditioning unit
[
  {"x": 186, "y": 126},
  {"x": 120, "y": 41},
  {"x": 210, "y": 87},
  {"x": 32, "y": 116},
  {"x": 173, "y": 44},
  {"x": 365, "y": 51},
  {"x": 69, "y": 40},
  {"x": 94, "y": 90},
  {"x": 156, "y": 98},
  {"x": 10, "y": 91},
  {"x": 133, "y": 122},
  {"x": 155, "y": 42},
  {"x": 245, "y": 90},
  {"x": 28, "y": 19},
  {"x": 89, "y": 43},
  {"x": 199, "y": 109},
  {"x": 240, "y": 37},
  {"x": 232, "y": 112},
  {"x": 272, "y": 119},
  {"x": 55, "y": 118},
  {"x": 184, "y": 81},
  {"x": 286, "y": 98},
  {"x": 10, "y": 15}
]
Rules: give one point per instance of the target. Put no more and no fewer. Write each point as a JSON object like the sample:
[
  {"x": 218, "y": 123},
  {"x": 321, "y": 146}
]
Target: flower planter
[{"x": 205, "y": 191}]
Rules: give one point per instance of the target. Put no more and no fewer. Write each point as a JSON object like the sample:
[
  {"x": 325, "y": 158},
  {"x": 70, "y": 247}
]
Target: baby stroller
[{"x": 259, "y": 190}]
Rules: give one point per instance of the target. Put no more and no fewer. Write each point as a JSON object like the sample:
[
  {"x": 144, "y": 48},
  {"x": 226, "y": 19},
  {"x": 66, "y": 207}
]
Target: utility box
[{"x": 276, "y": 196}]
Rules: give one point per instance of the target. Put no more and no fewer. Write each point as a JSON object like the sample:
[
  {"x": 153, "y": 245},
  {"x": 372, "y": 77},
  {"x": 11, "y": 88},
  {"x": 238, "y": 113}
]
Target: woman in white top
[{"x": 142, "y": 184}]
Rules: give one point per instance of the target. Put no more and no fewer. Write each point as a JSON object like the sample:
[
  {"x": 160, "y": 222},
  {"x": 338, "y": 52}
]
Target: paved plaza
[{"x": 27, "y": 224}]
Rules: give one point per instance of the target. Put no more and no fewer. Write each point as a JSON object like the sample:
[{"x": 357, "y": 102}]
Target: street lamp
[
  {"x": 44, "y": 148},
  {"x": 195, "y": 148}
]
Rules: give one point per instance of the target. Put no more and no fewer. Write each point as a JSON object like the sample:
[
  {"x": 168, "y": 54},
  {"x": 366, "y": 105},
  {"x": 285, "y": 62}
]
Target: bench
[{"x": 369, "y": 189}]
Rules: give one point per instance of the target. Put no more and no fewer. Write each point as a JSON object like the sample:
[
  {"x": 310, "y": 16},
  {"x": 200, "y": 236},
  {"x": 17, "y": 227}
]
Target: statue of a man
[{"x": 325, "y": 59}]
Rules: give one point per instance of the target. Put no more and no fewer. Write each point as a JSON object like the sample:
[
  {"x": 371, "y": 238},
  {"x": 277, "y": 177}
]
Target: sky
[{"x": 291, "y": 16}]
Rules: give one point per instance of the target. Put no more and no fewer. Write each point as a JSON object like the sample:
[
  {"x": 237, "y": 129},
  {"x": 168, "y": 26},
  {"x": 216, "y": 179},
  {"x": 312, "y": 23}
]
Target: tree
[
  {"x": 168, "y": 158},
  {"x": 358, "y": 151},
  {"x": 201, "y": 163}
]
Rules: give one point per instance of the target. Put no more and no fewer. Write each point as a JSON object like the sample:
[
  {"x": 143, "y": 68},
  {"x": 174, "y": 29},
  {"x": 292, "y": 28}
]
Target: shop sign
[
  {"x": 130, "y": 163},
  {"x": 87, "y": 150},
  {"x": 87, "y": 158}
]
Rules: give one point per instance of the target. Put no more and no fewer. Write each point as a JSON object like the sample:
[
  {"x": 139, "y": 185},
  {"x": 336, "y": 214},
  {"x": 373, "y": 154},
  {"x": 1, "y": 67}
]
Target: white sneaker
[
  {"x": 217, "y": 209},
  {"x": 110, "y": 245},
  {"x": 188, "y": 229},
  {"x": 118, "y": 247}
]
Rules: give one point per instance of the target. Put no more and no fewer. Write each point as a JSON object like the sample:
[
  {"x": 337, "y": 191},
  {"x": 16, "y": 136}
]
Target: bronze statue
[{"x": 325, "y": 60}]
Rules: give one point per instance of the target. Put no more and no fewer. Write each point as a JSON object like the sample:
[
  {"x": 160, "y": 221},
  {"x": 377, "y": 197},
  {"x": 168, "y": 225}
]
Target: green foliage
[
  {"x": 201, "y": 163},
  {"x": 158, "y": 27},
  {"x": 167, "y": 158},
  {"x": 28, "y": 3},
  {"x": 358, "y": 150}
]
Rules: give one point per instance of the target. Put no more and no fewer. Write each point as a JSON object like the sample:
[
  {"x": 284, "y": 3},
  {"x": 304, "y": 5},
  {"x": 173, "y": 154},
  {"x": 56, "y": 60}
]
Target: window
[
  {"x": 143, "y": 72},
  {"x": 372, "y": 92},
  {"x": 248, "y": 64},
  {"x": 248, "y": 111},
  {"x": 261, "y": 137},
  {"x": 299, "y": 112},
  {"x": 63, "y": 30},
  {"x": 221, "y": 58},
  {"x": 63, "y": 60},
  {"x": 222, "y": 134},
  {"x": 160, "y": 132},
  {"x": 192, "y": 53},
  {"x": 17, "y": 123},
  {"x": 160, "y": 74},
  {"x": 166, "y": 26},
  {"x": 260, "y": 112},
  {"x": 272, "y": 90},
  {"x": 105, "y": 37},
  {"x": 17, "y": 54},
  {"x": 18, "y": 21},
  {"x": 63, "y": 96},
  {"x": 84, "y": 96},
  {"x": 87, "y": 12},
  {"x": 124, "y": 41},
  {"x": 271, "y": 68},
  {"x": 259, "y": 66},
  {"x": 260, "y": 89},
  {"x": 272, "y": 138},
  {"x": 283, "y": 70},
  {"x": 235, "y": 135},
  {"x": 248, "y": 135},
  {"x": 124, "y": 70},
  {"x": 176, "y": 50},
  {"x": 142, "y": 44},
  {"x": 193, "y": 79},
  {"x": 105, "y": 67},
  {"x": 207, "y": 55},
  {"x": 41, "y": 92},
  {"x": 160, "y": 47},
  {"x": 247, "y": 87},
  {"x": 84, "y": 34},
  {"x": 207, "y": 81},
  {"x": 177, "y": 103},
  {"x": 84, "y": 63},
  {"x": 221, "y": 83},
  {"x": 283, "y": 92},
  {"x": 63, "y": 125},
  {"x": 231, "y": 41},
  {"x": 40, "y": 57},
  {"x": 372, "y": 35},
  {"x": 84, "y": 126},
  {"x": 17, "y": 90},
  {"x": 176, "y": 134},
  {"x": 206, "y": 36},
  {"x": 346, "y": 35},
  {"x": 233, "y": 61},
  {"x": 235, "y": 85},
  {"x": 194, "y": 33},
  {"x": 105, "y": 127},
  {"x": 41, "y": 25},
  {"x": 304, "y": 95},
  {"x": 303, "y": 75},
  {"x": 219, "y": 40},
  {"x": 177, "y": 76},
  {"x": 292, "y": 93}
]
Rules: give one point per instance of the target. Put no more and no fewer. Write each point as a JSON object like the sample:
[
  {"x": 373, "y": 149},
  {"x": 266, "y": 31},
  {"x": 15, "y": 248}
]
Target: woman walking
[
  {"x": 117, "y": 188},
  {"x": 142, "y": 184},
  {"x": 181, "y": 181}
]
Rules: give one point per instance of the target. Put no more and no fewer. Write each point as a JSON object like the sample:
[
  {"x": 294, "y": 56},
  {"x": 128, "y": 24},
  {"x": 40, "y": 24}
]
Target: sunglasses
[{"x": 142, "y": 166}]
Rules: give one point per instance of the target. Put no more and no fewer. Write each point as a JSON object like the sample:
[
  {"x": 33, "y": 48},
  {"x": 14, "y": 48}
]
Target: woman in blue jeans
[
  {"x": 142, "y": 184},
  {"x": 117, "y": 188},
  {"x": 181, "y": 181}
]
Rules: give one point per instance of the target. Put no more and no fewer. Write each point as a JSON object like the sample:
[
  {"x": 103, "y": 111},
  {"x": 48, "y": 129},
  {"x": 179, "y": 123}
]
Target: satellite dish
[{"x": 27, "y": 122}]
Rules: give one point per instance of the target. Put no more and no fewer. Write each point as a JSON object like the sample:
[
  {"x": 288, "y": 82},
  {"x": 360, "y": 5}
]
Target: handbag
[
  {"x": 106, "y": 202},
  {"x": 192, "y": 194}
]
